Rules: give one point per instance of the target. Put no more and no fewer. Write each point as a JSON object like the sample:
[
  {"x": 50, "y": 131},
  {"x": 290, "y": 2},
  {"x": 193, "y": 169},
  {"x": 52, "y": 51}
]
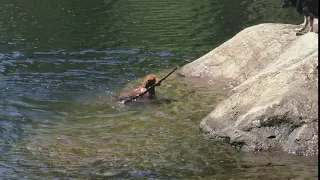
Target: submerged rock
[{"x": 273, "y": 79}]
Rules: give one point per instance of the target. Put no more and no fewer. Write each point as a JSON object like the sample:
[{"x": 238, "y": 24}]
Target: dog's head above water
[
  {"x": 289, "y": 3},
  {"x": 150, "y": 80}
]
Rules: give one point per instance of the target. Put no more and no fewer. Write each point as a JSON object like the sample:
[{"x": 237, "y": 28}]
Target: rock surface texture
[{"x": 273, "y": 79}]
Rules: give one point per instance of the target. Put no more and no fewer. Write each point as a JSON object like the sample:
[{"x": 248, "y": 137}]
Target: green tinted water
[{"x": 63, "y": 62}]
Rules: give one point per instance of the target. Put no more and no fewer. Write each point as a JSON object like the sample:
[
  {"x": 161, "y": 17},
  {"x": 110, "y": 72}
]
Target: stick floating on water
[{"x": 157, "y": 83}]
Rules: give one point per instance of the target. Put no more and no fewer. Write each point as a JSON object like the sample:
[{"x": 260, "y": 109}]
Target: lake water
[{"x": 63, "y": 62}]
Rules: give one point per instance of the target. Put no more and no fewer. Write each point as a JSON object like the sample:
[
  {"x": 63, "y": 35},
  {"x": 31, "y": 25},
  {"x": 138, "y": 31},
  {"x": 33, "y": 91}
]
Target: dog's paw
[
  {"x": 301, "y": 29},
  {"x": 300, "y": 33}
]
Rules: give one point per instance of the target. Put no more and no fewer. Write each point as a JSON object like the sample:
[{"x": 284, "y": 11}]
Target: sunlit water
[{"x": 62, "y": 63}]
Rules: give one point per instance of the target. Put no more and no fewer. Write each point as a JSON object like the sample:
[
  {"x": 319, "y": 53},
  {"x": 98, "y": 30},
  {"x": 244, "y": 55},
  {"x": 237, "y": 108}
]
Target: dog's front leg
[
  {"x": 304, "y": 25},
  {"x": 311, "y": 24}
]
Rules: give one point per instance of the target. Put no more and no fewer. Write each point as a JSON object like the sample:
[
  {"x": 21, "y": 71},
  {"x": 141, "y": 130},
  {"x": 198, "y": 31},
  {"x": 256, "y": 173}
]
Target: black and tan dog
[{"x": 308, "y": 8}]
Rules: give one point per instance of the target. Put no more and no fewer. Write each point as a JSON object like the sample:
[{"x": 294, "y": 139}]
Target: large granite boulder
[{"x": 273, "y": 79}]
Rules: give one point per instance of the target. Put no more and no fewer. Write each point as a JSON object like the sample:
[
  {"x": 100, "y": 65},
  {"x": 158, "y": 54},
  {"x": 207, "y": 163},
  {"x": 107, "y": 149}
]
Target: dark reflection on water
[{"x": 63, "y": 62}]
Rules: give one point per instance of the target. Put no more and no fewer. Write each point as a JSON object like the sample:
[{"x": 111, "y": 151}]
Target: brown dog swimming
[{"x": 148, "y": 81}]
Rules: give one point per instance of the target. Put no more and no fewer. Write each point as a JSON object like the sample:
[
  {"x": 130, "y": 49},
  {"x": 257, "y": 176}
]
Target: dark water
[{"x": 61, "y": 62}]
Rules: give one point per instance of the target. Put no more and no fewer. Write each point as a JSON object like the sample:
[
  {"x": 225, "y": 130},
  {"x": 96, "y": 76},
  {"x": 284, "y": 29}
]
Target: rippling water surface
[{"x": 63, "y": 62}]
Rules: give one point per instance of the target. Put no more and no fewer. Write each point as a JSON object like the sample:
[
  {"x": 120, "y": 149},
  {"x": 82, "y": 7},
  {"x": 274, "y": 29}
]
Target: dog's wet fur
[
  {"x": 307, "y": 8},
  {"x": 148, "y": 81}
]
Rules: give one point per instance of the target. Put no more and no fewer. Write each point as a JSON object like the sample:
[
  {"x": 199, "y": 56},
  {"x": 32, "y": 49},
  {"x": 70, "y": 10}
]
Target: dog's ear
[
  {"x": 157, "y": 80},
  {"x": 144, "y": 83}
]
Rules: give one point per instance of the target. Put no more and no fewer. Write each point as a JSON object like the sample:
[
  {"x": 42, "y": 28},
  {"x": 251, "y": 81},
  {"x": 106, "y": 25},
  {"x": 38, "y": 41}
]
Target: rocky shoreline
[{"x": 273, "y": 79}]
